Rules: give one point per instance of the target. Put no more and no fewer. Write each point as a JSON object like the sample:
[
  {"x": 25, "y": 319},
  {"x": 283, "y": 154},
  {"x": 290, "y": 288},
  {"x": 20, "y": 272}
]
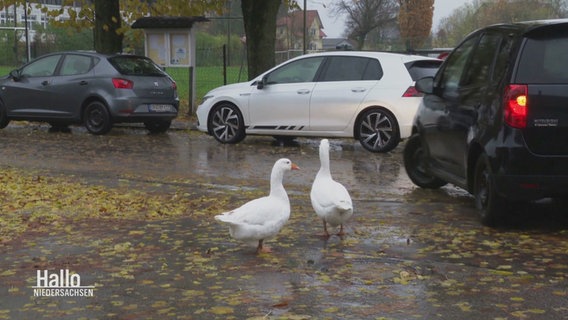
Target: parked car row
[{"x": 94, "y": 89}]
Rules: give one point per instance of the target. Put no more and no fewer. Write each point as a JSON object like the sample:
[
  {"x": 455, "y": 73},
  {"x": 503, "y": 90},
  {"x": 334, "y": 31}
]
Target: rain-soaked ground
[{"x": 408, "y": 253}]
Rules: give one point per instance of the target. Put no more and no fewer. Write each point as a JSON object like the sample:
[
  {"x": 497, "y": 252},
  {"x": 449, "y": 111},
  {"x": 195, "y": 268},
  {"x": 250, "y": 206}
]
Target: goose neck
[{"x": 276, "y": 187}]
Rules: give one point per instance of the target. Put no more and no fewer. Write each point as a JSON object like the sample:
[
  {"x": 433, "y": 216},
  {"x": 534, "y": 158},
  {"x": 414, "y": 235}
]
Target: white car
[{"x": 369, "y": 96}]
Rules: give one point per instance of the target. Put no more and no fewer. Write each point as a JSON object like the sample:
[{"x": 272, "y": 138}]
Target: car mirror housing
[
  {"x": 425, "y": 85},
  {"x": 262, "y": 83},
  {"x": 16, "y": 75}
]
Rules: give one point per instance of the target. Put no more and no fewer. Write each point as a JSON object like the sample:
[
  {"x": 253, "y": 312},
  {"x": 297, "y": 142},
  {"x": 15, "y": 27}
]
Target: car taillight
[
  {"x": 174, "y": 85},
  {"x": 412, "y": 92},
  {"x": 516, "y": 105},
  {"x": 122, "y": 83}
]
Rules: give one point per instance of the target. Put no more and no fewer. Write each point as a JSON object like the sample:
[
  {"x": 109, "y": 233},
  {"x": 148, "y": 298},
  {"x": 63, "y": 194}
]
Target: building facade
[
  {"x": 290, "y": 31},
  {"x": 15, "y": 17}
]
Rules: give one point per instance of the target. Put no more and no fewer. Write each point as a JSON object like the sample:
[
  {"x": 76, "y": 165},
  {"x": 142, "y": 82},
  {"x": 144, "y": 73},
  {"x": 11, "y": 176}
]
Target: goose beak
[{"x": 295, "y": 167}]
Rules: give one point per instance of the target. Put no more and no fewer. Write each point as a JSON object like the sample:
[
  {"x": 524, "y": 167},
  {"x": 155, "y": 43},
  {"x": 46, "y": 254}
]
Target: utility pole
[
  {"x": 305, "y": 25},
  {"x": 27, "y": 31}
]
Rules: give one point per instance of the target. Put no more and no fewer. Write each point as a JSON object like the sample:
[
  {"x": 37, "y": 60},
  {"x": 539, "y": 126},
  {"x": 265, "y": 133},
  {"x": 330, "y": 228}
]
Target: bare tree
[{"x": 364, "y": 16}]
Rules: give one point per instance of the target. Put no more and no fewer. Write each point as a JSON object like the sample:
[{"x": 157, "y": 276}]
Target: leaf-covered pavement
[
  {"x": 394, "y": 264},
  {"x": 144, "y": 237}
]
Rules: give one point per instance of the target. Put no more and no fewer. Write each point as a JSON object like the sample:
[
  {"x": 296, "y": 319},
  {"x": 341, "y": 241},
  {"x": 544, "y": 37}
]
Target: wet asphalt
[{"x": 408, "y": 253}]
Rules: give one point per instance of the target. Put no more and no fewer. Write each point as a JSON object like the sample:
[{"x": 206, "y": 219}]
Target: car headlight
[{"x": 205, "y": 98}]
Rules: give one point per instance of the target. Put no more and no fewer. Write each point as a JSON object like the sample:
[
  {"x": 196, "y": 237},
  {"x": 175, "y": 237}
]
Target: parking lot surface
[{"x": 408, "y": 253}]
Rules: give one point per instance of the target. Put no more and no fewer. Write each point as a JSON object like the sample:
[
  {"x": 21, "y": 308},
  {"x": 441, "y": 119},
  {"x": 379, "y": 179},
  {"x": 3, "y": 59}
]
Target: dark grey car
[{"x": 94, "y": 89}]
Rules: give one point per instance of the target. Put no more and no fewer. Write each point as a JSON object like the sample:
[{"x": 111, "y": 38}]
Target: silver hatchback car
[{"x": 94, "y": 89}]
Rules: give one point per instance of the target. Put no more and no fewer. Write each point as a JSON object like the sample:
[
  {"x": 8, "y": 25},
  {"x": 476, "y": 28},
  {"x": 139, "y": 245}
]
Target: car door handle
[
  {"x": 358, "y": 89},
  {"x": 45, "y": 83},
  {"x": 303, "y": 91},
  {"x": 83, "y": 83}
]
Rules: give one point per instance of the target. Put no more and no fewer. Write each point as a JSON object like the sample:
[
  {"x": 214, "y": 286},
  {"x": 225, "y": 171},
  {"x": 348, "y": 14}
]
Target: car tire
[
  {"x": 490, "y": 205},
  {"x": 414, "y": 164},
  {"x": 97, "y": 118},
  {"x": 157, "y": 126},
  {"x": 4, "y": 121},
  {"x": 226, "y": 124},
  {"x": 378, "y": 130}
]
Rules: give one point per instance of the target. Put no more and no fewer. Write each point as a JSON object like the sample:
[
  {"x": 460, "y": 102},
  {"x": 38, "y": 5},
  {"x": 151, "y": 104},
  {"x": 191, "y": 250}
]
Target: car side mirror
[
  {"x": 425, "y": 85},
  {"x": 16, "y": 75},
  {"x": 262, "y": 83}
]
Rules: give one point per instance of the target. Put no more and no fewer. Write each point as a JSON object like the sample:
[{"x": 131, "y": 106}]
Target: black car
[{"x": 494, "y": 119}]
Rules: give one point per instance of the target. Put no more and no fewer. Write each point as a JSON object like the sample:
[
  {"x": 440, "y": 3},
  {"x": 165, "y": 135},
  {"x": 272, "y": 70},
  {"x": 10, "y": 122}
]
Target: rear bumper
[
  {"x": 523, "y": 188},
  {"x": 144, "y": 117},
  {"x": 133, "y": 110},
  {"x": 522, "y": 175}
]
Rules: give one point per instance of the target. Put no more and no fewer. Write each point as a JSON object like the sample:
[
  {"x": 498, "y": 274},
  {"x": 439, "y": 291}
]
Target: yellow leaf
[
  {"x": 331, "y": 310},
  {"x": 464, "y": 306},
  {"x": 159, "y": 304},
  {"x": 504, "y": 267},
  {"x": 220, "y": 310},
  {"x": 537, "y": 311}
]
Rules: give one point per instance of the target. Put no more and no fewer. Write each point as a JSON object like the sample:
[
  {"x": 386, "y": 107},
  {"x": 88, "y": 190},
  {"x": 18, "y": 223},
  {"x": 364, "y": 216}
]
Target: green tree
[
  {"x": 105, "y": 16},
  {"x": 415, "y": 21},
  {"x": 477, "y": 14},
  {"x": 259, "y": 21}
]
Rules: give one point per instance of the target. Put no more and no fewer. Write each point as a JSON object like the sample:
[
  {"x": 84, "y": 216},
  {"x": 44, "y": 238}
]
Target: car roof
[
  {"x": 527, "y": 27},
  {"x": 531, "y": 24},
  {"x": 373, "y": 54},
  {"x": 91, "y": 53},
  {"x": 404, "y": 57}
]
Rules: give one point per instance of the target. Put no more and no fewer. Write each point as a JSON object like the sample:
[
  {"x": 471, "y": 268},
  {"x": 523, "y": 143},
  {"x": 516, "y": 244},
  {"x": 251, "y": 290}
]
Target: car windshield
[{"x": 136, "y": 66}]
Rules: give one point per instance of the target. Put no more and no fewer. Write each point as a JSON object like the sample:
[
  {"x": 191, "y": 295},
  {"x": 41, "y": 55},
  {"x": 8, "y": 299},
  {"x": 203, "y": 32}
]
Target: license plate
[{"x": 160, "y": 108}]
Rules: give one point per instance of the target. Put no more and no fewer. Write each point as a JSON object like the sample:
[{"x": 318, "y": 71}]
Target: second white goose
[{"x": 330, "y": 199}]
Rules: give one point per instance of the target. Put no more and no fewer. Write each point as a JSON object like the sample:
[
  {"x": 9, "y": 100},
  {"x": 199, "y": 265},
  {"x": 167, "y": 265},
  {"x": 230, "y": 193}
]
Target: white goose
[
  {"x": 262, "y": 218},
  {"x": 330, "y": 199}
]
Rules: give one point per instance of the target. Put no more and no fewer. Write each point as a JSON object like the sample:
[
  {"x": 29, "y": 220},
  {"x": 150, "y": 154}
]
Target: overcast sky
[{"x": 334, "y": 27}]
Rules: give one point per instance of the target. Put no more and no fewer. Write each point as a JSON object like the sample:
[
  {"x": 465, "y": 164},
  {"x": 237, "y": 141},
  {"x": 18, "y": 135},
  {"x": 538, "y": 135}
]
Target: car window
[
  {"x": 455, "y": 65},
  {"x": 136, "y": 66},
  {"x": 75, "y": 64},
  {"x": 478, "y": 70},
  {"x": 422, "y": 68},
  {"x": 43, "y": 67},
  {"x": 352, "y": 69},
  {"x": 303, "y": 70},
  {"x": 503, "y": 59},
  {"x": 544, "y": 61}
]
